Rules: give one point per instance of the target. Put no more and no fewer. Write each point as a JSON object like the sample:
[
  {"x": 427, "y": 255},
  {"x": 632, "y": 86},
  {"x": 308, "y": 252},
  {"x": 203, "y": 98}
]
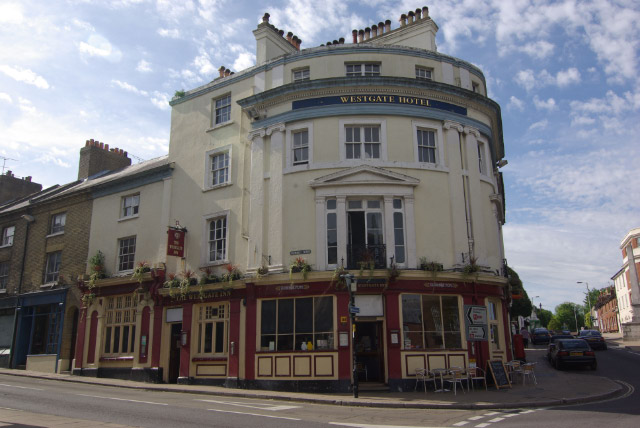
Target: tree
[
  {"x": 568, "y": 313},
  {"x": 544, "y": 316},
  {"x": 554, "y": 324},
  {"x": 523, "y": 305}
]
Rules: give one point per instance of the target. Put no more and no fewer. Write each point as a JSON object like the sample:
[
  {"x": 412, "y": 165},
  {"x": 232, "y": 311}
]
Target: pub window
[
  {"x": 120, "y": 327},
  {"x": 431, "y": 322},
  {"x": 293, "y": 324},
  {"x": 213, "y": 327}
]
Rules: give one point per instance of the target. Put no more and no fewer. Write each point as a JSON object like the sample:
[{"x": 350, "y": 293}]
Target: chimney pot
[
  {"x": 106, "y": 147},
  {"x": 367, "y": 33},
  {"x": 360, "y": 36},
  {"x": 281, "y": 32},
  {"x": 418, "y": 13},
  {"x": 29, "y": 178},
  {"x": 221, "y": 71},
  {"x": 403, "y": 20},
  {"x": 298, "y": 44},
  {"x": 265, "y": 17},
  {"x": 227, "y": 72},
  {"x": 335, "y": 42},
  {"x": 289, "y": 36},
  {"x": 354, "y": 33},
  {"x": 425, "y": 12},
  {"x": 387, "y": 25},
  {"x": 102, "y": 146},
  {"x": 328, "y": 43},
  {"x": 374, "y": 30},
  {"x": 125, "y": 154},
  {"x": 341, "y": 40},
  {"x": 86, "y": 144}
]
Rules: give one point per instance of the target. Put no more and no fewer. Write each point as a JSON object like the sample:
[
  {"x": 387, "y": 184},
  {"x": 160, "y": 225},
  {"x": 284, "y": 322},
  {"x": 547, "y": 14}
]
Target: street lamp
[
  {"x": 575, "y": 316},
  {"x": 352, "y": 286},
  {"x": 588, "y": 298}
]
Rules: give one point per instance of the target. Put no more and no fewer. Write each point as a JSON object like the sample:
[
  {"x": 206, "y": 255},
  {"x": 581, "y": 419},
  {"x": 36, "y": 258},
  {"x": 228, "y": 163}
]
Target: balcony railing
[{"x": 357, "y": 254}]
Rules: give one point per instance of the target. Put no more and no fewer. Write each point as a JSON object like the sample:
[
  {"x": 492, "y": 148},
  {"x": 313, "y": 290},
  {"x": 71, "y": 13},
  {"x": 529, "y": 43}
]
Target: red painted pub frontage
[{"x": 283, "y": 332}]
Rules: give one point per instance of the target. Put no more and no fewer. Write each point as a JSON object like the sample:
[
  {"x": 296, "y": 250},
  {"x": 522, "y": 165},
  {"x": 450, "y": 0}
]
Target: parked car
[
  {"x": 540, "y": 335},
  {"x": 573, "y": 352},
  {"x": 552, "y": 344},
  {"x": 594, "y": 338},
  {"x": 566, "y": 332}
]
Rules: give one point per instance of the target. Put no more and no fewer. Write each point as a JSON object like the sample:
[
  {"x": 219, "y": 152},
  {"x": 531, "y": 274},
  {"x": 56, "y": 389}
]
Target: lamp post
[
  {"x": 352, "y": 286},
  {"x": 575, "y": 316},
  {"x": 588, "y": 298}
]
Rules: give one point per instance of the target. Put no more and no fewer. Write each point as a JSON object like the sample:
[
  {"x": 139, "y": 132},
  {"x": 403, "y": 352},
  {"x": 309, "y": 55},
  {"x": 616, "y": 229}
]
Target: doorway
[
  {"x": 369, "y": 351},
  {"x": 174, "y": 353}
]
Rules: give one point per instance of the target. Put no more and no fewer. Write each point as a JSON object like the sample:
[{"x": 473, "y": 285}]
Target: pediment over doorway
[{"x": 364, "y": 175}]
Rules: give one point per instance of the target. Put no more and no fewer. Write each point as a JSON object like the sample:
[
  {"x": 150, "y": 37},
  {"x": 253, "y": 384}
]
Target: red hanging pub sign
[{"x": 175, "y": 241}]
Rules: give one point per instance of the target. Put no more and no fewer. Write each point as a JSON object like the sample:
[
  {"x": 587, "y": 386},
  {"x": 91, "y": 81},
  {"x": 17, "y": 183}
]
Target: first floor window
[
  {"x": 423, "y": 73},
  {"x": 57, "y": 223},
  {"x": 301, "y": 75},
  {"x": 222, "y": 109},
  {"x": 52, "y": 270},
  {"x": 426, "y": 146},
  {"x": 126, "y": 253},
  {"x": 130, "y": 206},
  {"x": 7, "y": 235},
  {"x": 4, "y": 275},
  {"x": 362, "y": 142},
  {"x": 120, "y": 326},
  {"x": 218, "y": 239},
  {"x": 366, "y": 69},
  {"x": 332, "y": 232},
  {"x": 219, "y": 168},
  {"x": 296, "y": 324},
  {"x": 301, "y": 147},
  {"x": 213, "y": 326},
  {"x": 398, "y": 231},
  {"x": 481, "y": 162},
  {"x": 431, "y": 322}
]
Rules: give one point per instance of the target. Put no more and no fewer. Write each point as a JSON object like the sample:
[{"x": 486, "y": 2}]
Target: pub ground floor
[{"x": 295, "y": 334}]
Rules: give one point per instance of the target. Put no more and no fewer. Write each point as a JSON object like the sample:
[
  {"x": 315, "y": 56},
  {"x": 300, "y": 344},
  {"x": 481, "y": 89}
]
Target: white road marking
[
  {"x": 482, "y": 425},
  {"x": 123, "y": 399},
  {"x": 496, "y": 420},
  {"x": 492, "y": 414},
  {"x": 509, "y": 415},
  {"x": 527, "y": 411},
  {"x": 254, "y": 414},
  {"x": 259, "y": 406},
  {"x": 344, "y": 424},
  {"x": 21, "y": 387},
  {"x": 475, "y": 418},
  {"x": 459, "y": 424}
]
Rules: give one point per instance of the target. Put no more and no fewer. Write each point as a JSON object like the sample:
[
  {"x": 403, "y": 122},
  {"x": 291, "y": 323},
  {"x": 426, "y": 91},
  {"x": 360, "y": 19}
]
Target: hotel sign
[
  {"x": 362, "y": 99},
  {"x": 175, "y": 242}
]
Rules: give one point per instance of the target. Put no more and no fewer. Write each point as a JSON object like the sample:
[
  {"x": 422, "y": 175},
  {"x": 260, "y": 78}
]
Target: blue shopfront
[{"x": 39, "y": 330}]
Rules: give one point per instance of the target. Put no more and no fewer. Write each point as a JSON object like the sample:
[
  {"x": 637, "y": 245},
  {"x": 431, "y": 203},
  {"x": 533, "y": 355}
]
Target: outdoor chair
[
  {"x": 455, "y": 379},
  {"x": 515, "y": 368},
  {"x": 424, "y": 376},
  {"x": 475, "y": 374},
  {"x": 528, "y": 371}
]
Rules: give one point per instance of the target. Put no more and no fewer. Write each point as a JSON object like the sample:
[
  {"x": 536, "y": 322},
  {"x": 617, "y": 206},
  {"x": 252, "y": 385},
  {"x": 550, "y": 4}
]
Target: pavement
[
  {"x": 553, "y": 388},
  {"x": 615, "y": 339}
]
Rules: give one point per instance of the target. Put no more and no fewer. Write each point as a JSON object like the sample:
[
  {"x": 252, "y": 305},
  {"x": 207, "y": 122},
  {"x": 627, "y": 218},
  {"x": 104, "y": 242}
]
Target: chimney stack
[{"x": 96, "y": 157}]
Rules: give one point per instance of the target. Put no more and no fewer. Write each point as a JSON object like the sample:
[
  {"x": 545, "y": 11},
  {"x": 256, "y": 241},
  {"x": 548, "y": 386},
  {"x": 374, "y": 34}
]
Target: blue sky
[{"x": 564, "y": 72}]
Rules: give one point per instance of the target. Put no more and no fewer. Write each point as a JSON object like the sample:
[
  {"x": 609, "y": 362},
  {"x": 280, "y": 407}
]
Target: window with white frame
[
  {"x": 426, "y": 145},
  {"x": 213, "y": 327},
  {"x": 222, "y": 109},
  {"x": 4, "y": 275},
  {"x": 301, "y": 74},
  {"x": 482, "y": 167},
  {"x": 332, "y": 232},
  {"x": 294, "y": 324},
  {"x": 423, "y": 73},
  {"x": 120, "y": 325},
  {"x": 300, "y": 146},
  {"x": 52, "y": 269},
  {"x": 217, "y": 240},
  {"x": 431, "y": 322},
  {"x": 362, "y": 142},
  {"x": 398, "y": 231},
  {"x": 130, "y": 206},
  {"x": 219, "y": 168},
  {"x": 493, "y": 316},
  {"x": 7, "y": 236},
  {"x": 364, "y": 69},
  {"x": 126, "y": 253},
  {"x": 57, "y": 223}
]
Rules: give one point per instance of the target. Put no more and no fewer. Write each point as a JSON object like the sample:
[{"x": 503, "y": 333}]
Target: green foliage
[
  {"x": 299, "y": 265},
  {"x": 521, "y": 306},
  {"x": 568, "y": 314},
  {"x": 544, "y": 316},
  {"x": 554, "y": 324},
  {"x": 430, "y": 266},
  {"x": 179, "y": 94}
]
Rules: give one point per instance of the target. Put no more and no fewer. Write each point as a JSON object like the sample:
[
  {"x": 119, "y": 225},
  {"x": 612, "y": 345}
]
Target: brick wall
[
  {"x": 96, "y": 157},
  {"x": 13, "y": 254},
  {"x": 12, "y": 188}
]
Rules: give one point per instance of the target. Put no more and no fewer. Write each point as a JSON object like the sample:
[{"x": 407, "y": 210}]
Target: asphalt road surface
[{"x": 29, "y": 402}]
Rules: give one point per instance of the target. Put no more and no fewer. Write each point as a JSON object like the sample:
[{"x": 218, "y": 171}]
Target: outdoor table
[{"x": 441, "y": 372}]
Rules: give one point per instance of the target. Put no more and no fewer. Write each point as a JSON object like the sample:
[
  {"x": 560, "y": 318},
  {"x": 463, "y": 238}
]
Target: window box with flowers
[{"x": 300, "y": 265}]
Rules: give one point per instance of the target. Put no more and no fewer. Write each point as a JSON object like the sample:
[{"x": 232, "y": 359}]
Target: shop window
[
  {"x": 297, "y": 324},
  {"x": 57, "y": 223},
  {"x": 126, "y": 253},
  {"x": 130, "y": 206},
  {"x": 431, "y": 322},
  {"x": 4, "y": 275},
  {"x": 52, "y": 269},
  {"x": 213, "y": 327},
  {"x": 7, "y": 236},
  {"x": 120, "y": 325}
]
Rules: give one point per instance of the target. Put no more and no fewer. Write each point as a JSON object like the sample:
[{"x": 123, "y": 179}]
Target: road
[{"x": 38, "y": 402}]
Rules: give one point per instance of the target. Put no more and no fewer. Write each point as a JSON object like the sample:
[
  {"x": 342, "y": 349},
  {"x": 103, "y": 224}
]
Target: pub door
[
  {"x": 369, "y": 351},
  {"x": 174, "y": 353}
]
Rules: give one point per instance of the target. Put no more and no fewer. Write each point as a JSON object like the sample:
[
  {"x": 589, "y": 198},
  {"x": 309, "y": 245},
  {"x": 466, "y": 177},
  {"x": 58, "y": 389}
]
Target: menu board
[{"x": 498, "y": 374}]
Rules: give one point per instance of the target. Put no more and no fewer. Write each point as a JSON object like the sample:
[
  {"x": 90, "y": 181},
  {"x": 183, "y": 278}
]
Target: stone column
[
  {"x": 457, "y": 170},
  {"x": 410, "y": 225},
  {"x": 256, "y": 199},
  {"x": 477, "y": 235},
  {"x": 276, "y": 212}
]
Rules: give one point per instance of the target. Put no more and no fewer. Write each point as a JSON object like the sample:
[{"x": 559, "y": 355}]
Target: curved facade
[{"x": 379, "y": 157}]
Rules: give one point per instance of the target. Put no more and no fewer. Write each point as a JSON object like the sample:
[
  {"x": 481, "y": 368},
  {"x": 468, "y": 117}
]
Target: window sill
[
  {"x": 3, "y": 290},
  {"x": 131, "y": 217},
  {"x": 54, "y": 234},
  {"x": 6, "y": 246},
  {"x": 220, "y": 125},
  {"x": 218, "y": 186},
  {"x": 49, "y": 284},
  {"x": 116, "y": 359},
  {"x": 122, "y": 273},
  {"x": 216, "y": 263}
]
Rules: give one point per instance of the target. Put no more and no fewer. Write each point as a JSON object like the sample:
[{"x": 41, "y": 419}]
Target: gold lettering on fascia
[
  {"x": 203, "y": 296},
  {"x": 357, "y": 99}
]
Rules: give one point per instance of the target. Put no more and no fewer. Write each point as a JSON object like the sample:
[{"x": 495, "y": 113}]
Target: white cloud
[
  {"x": 539, "y": 49},
  {"x": 173, "y": 11},
  {"x": 83, "y": 25},
  {"x": 567, "y": 77},
  {"x": 539, "y": 125},
  {"x": 582, "y": 120},
  {"x": 98, "y": 46},
  {"x": 26, "y": 106},
  {"x": 203, "y": 63},
  {"x": 144, "y": 66},
  {"x": 549, "y": 104},
  {"x": 160, "y": 100},
  {"x": 5, "y": 97},
  {"x": 172, "y": 34},
  {"x": 530, "y": 79},
  {"x": 11, "y": 13},
  {"x": 130, "y": 88},
  {"x": 526, "y": 79},
  {"x": 515, "y": 103},
  {"x": 25, "y": 76},
  {"x": 244, "y": 60}
]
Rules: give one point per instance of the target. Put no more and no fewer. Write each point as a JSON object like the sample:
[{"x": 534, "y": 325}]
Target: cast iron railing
[{"x": 357, "y": 254}]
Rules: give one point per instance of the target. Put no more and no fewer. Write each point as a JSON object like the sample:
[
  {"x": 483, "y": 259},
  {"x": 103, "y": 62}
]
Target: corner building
[{"x": 377, "y": 156}]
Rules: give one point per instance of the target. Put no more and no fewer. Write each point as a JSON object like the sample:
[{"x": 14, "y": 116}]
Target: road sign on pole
[{"x": 475, "y": 320}]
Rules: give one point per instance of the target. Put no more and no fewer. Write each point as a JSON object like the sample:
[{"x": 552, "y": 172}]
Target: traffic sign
[
  {"x": 475, "y": 315},
  {"x": 477, "y": 332},
  {"x": 354, "y": 310}
]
